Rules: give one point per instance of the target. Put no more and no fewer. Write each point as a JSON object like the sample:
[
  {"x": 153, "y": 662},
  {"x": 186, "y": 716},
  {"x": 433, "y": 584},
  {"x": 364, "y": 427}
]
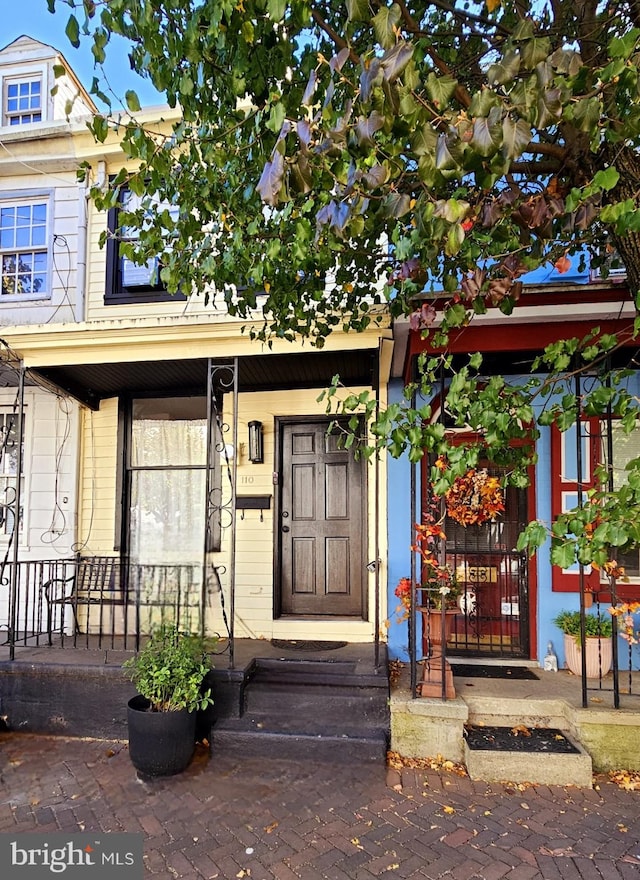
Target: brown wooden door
[{"x": 321, "y": 524}]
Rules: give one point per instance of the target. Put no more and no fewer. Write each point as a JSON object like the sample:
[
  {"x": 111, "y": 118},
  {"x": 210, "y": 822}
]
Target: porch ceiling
[{"x": 91, "y": 383}]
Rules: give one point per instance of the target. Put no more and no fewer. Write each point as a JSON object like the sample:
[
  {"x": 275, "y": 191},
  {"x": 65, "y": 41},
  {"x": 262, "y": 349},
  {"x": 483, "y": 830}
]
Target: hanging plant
[{"x": 474, "y": 498}]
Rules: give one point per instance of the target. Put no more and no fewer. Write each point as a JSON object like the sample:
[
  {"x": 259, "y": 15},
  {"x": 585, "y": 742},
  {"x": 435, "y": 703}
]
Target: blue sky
[{"x": 32, "y": 17}]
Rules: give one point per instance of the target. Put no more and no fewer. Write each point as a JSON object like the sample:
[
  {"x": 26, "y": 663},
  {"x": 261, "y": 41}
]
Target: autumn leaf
[
  {"x": 563, "y": 264},
  {"x": 492, "y": 4}
]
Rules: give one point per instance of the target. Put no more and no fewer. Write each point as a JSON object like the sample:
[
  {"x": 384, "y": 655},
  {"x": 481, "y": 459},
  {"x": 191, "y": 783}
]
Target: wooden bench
[{"x": 83, "y": 582}]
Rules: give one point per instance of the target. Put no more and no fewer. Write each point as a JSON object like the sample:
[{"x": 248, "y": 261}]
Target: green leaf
[
  {"x": 440, "y": 89},
  {"x": 276, "y": 9},
  {"x": 358, "y": 10},
  {"x": 132, "y": 101},
  {"x": 563, "y": 555},
  {"x": 622, "y": 47},
  {"x": 505, "y": 70},
  {"x": 606, "y": 179},
  {"x": 516, "y": 136},
  {"x": 384, "y": 22},
  {"x": 487, "y": 136},
  {"x": 72, "y": 31}
]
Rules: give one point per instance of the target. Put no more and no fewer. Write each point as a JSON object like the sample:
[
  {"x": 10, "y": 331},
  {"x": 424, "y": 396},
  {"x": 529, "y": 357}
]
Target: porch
[
  {"x": 279, "y": 699},
  {"x": 286, "y": 700}
]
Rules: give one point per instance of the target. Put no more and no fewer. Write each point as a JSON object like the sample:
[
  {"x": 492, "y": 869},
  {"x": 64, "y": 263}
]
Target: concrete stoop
[
  {"x": 605, "y": 739},
  {"x": 539, "y": 768}
]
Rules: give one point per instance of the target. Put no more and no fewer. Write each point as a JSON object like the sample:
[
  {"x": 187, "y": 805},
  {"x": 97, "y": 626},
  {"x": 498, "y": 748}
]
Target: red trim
[
  {"x": 516, "y": 337},
  {"x": 563, "y": 581}
]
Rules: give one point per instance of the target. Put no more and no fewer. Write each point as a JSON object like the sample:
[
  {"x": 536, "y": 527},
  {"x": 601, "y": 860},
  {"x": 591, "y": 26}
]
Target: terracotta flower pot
[
  {"x": 598, "y": 655},
  {"x": 432, "y": 629}
]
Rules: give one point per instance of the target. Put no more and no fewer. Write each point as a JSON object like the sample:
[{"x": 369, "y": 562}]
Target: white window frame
[
  {"x": 618, "y": 477},
  {"x": 8, "y": 248},
  {"x": 15, "y": 117}
]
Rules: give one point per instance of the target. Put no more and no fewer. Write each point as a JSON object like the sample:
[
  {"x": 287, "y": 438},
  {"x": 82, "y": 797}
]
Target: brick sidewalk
[{"x": 261, "y": 820}]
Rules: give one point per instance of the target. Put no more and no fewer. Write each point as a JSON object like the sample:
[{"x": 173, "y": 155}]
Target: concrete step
[{"x": 500, "y": 763}]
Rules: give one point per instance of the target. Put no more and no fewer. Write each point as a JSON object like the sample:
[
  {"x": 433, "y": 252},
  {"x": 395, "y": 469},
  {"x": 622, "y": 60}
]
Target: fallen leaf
[
  {"x": 271, "y": 827},
  {"x": 521, "y": 729},
  {"x": 448, "y": 810}
]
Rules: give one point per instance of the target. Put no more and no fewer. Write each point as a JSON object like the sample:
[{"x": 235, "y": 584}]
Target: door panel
[{"x": 321, "y": 529}]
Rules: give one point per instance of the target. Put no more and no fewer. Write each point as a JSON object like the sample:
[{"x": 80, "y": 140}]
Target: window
[
  {"x": 626, "y": 447},
  {"x": 22, "y": 101},
  {"x": 23, "y": 250},
  {"x": 8, "y": 470},
  {"x": 127, "y": 282},
  {"x": 567, "y": 481}
]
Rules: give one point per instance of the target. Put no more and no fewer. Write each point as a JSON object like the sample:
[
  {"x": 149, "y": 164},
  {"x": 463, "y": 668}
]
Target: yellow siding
[
  {"x": 98, "y": 480},
  {"x": 254, "y": 546}
]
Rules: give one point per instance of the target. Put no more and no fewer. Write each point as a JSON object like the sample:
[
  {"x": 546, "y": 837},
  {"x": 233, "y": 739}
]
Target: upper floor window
[
  {"x": 22, "y": 101},
  {"x": 126, "y": 281},
  {"x": 23, "y": 249}
]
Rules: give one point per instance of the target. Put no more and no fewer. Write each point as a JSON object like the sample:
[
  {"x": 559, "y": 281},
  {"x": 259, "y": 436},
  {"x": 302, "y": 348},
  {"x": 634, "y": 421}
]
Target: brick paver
[{"x": 226, "y": 818}]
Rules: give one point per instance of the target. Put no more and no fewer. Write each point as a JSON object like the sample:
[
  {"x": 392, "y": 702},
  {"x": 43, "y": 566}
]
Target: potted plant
[
  {"x": 169, "y": 674},
  {"x": 598, "y": 631}
]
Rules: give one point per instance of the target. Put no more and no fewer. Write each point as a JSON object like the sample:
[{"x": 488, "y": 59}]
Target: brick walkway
[{"x": 261, "y": 820}]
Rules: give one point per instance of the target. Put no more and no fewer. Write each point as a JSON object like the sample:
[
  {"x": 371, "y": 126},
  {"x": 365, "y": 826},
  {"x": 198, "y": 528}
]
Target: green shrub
[
  {"x": 170, "y": 669},
  {"x": 569, "y": 623}
]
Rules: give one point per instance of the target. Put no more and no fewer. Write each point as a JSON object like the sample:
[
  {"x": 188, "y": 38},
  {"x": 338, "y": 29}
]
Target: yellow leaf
[{"x": 448, "y": 810}]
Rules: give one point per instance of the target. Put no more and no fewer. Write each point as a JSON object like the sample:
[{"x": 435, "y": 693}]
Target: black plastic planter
[{"x": 160, "y": 743}]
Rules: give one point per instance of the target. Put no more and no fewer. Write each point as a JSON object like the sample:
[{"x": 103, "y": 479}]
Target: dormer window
[{"x": 22, "y": 101}]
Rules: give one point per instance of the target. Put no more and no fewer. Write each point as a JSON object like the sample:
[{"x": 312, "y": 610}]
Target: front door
[
  {"x": 493, "y": 617},
  {"x": 321, "y": 528}
]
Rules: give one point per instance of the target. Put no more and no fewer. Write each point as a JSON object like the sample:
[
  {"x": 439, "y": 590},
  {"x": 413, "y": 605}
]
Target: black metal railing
[{"x": 96, "y": 602}]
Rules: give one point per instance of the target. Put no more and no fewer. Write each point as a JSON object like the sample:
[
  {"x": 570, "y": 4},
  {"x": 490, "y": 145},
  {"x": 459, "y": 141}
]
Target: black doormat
[
  {"x": 306, "y": 645},
  {"x": 519, "y": 739},
  {"x": 470, "y": 670}
]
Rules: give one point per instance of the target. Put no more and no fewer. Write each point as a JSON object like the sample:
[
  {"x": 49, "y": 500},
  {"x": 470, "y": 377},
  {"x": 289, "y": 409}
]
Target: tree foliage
[{"x": 400, "y": 150}]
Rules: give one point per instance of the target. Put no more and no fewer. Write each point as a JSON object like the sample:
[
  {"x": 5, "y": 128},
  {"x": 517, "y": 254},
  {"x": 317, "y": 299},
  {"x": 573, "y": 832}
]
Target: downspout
[{"x": 81, "y": 267}]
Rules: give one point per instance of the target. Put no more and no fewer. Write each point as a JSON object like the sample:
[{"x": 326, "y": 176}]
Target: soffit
[{"x": 91, "y": 383}]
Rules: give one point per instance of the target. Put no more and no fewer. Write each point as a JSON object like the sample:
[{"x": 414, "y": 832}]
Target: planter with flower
[
  {"x": 169, "y": 673},
  {"x": 597, "y": 650}
]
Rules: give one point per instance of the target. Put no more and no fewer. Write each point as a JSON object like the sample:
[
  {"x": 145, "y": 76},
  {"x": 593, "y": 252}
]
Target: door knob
[{"x": 285, "y": 528}]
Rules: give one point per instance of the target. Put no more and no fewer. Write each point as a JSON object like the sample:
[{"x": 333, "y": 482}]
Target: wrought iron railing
[{"x": 96, "y": 602}]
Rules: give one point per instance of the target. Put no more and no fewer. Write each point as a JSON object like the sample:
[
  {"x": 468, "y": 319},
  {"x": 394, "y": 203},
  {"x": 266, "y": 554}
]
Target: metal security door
[{"x": 494, "y": 607}]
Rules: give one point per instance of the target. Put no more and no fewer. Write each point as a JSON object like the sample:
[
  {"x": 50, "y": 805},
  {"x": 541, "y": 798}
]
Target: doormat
[
  {"x": 470, "y": 670},
  {"x": 308, "y": 645},
  {"x": 519, "y": 739}
]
